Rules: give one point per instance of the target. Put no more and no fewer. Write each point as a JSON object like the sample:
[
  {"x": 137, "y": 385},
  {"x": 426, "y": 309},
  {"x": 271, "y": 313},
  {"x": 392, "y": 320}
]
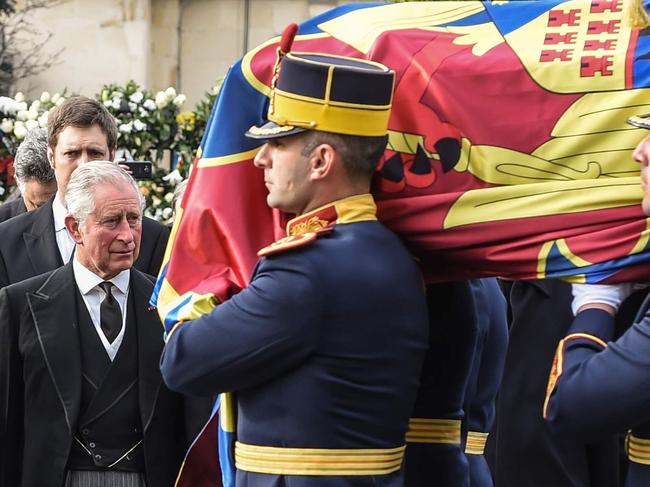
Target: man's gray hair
[
  {"x": 31, "y": 161},
  {"x": 80, "y": 193}
]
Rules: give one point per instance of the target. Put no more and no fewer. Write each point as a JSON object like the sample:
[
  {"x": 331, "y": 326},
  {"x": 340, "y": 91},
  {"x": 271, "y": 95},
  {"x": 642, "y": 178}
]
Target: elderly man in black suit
[
  {"x": 80, "y": 130},
  {"x": 82, "y": 401},
  {"x": 34, "y": 176}
]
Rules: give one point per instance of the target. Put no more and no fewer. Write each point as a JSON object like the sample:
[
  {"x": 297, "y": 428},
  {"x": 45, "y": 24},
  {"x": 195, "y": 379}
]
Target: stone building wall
[{"x": 188, "y": 44}]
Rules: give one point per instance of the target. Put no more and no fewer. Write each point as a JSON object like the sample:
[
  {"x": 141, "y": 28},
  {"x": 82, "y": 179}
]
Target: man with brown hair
[{"x": 80, "y": 130}]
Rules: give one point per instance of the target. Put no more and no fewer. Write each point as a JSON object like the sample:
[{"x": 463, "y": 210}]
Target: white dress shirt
[
  {"x": 64, "y": 240},
  {"x": 87, "y": 282}
]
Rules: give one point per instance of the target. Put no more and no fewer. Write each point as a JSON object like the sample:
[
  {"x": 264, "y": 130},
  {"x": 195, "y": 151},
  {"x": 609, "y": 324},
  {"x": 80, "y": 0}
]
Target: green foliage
[
  {"x": 149, "y": 125},
  {"x": 192, "y": 125},
  {"x": 146, "y": 122},
  {"x": 18, "y": 115}
]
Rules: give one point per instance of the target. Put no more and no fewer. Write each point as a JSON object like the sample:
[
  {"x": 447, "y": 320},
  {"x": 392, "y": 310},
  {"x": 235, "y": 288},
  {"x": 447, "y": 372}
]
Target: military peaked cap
[{"x": 328, "y": 93}]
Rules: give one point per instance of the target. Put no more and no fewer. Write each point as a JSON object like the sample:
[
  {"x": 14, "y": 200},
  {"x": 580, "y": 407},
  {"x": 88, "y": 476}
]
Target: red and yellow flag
[{"x": 508, "y": 155}]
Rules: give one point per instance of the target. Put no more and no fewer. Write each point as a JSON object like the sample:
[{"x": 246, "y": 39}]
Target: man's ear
[
  {"x": 50, "y": 156},
  {"x": 322, "y": 161},
  {"x": 111, "y": 155},
  {"x": 72, "y": 226}
]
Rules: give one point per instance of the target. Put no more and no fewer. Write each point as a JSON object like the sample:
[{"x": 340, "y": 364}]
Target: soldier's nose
[{"x": 262, "y": 157}]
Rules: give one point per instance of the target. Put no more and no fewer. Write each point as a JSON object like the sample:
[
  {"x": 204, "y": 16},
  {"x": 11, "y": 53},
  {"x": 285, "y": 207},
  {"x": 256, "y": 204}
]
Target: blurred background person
[{"x": 34, "y": 175}]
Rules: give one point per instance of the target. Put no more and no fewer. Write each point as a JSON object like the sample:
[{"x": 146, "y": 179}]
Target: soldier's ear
[
  {"x": 321, "y": 161},
  {"x": 72, "y": 226}
]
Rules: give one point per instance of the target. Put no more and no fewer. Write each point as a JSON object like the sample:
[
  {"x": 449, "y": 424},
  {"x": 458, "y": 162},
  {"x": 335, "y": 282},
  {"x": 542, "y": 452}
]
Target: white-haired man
[
  {"x": 79, "y": 130},
  {"x": 82, "y": 399}
]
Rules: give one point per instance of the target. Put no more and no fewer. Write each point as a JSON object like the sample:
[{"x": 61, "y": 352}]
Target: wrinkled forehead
[{"x": 119, "y": 198}]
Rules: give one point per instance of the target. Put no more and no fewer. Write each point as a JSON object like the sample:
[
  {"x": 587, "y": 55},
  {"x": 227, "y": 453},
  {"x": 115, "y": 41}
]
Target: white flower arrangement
[
  {"x": 149, "y": 123},
  {"x": 139, "y": 126},
  {"x": 42, "y": 120},
  {"x": 149, "y": 105},
  {"x": 179, "y": 100},
  {"x": 7, "y": 125},
  {"x": 20, "y": 130},
  {"x": 136, "y": 97},
  {"x": 18, "y": 116},
  {"x": 9, "y": 106},
  {"x": 31, "y": 124}
]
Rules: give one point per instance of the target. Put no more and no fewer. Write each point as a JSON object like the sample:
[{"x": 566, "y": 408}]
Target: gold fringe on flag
[{"x": 635, "y": 14}]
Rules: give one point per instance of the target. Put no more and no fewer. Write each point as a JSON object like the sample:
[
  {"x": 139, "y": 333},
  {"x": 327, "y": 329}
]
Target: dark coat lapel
[
  {"x": 53, "y": 310},
  {"x": 40, "y": 241},
  {"x": 150, "y": 345}
]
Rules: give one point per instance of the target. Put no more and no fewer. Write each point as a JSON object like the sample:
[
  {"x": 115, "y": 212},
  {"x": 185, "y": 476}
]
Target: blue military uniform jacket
[
  {"x": 435, "y": 451},
  {"x": 323, "y": 350},
  {"x": 485, "y": 376},
  {"x": 598, "y": 387}
]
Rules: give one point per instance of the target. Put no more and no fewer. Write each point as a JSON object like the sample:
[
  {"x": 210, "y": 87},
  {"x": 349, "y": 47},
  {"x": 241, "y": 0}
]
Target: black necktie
[{"x": 110, "y": 316}]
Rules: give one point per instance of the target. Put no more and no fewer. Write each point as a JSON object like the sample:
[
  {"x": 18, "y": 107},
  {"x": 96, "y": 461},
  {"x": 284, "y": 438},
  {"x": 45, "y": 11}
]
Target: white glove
[{"x": 610, "y": 294}]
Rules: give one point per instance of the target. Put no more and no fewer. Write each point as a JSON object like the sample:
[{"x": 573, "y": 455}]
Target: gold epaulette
[
  {"x": 558, "y": 363},
  {"x": 292, "y": 242}
]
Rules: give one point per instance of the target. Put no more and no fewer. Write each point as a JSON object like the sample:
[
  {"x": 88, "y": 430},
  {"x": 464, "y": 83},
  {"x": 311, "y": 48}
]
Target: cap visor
[
  {"x": 271, "y": 130},
  {"x": 641, "y": 121}
]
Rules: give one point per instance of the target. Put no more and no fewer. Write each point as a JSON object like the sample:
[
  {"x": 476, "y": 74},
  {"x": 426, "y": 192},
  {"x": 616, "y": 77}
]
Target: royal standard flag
[{"x": 508, "y": 155}]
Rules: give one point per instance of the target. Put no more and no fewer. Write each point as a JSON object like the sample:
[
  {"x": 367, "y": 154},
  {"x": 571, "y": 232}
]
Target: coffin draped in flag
[{"x": 508, "y": 154}]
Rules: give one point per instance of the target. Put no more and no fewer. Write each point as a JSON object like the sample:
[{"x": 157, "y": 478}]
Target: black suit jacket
[
  {"x": 40, "y": 383},
  {"x": 12, "y": 208},
  {"x": 28, "y": 246},
  {"x": 527, "y": 452}
]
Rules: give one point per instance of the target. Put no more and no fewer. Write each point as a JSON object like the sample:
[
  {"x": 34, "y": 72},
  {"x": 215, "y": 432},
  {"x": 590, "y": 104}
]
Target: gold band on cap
[{"x": 337, "y": 117}]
